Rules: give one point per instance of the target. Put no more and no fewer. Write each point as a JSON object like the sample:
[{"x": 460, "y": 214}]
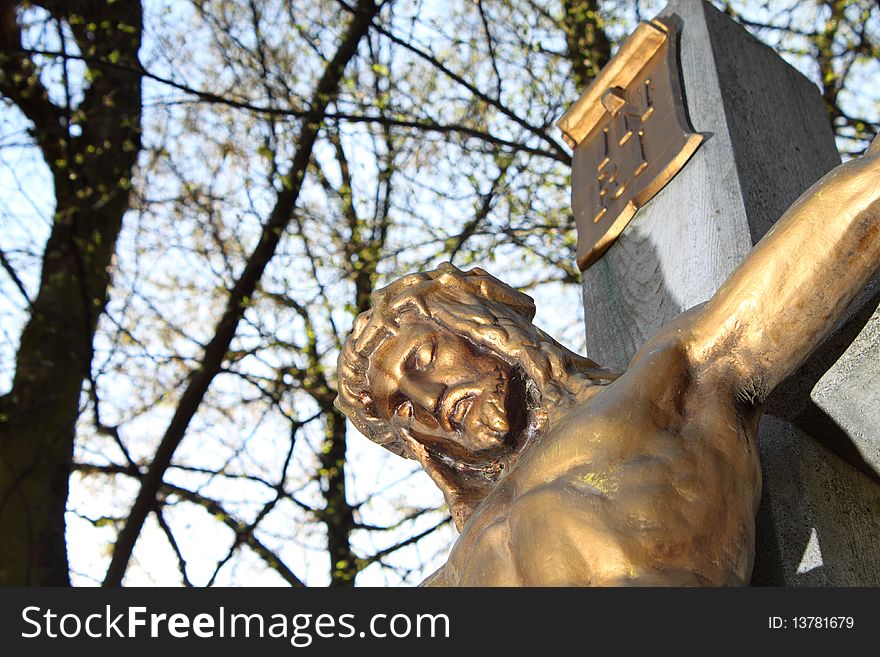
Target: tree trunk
[{"x": 92, "y": 176}]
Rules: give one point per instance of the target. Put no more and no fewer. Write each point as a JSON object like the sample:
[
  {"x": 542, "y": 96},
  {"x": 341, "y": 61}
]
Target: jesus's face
[{"x": 450, "y": 395}]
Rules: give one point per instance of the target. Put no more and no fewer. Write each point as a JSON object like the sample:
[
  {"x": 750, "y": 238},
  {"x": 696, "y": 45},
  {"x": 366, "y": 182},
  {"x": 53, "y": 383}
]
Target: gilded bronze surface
[
  {"x": 630, "y": 137},
  {"x": 558, "y": 472}
]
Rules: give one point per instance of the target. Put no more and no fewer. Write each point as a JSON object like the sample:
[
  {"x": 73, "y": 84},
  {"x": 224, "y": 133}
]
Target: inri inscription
[{"x": 630, "y": 136}]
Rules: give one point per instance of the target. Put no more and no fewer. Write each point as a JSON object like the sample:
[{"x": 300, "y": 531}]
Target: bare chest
[{"x": 611, "y": 498}]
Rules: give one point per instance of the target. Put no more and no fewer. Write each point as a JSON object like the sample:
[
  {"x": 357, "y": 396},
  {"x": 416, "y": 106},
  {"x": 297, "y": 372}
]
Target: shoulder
[
  {"x": 678, "y": 367},
  {"x": 437, "y": 579},
  {"x": 482, "y": 554}
]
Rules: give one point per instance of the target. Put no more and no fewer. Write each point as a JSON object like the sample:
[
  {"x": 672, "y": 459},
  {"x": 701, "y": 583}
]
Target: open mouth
[
  {"x": 456, "y": 406},
  {"x": 459, "y": 411}
]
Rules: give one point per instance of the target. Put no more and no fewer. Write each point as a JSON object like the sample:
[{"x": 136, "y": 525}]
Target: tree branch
[
  {"x": 4, "y": 261},
  {"x": 326, "y": 90}
]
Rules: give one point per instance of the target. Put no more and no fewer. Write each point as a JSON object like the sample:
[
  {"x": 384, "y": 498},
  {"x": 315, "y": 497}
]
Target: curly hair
[{"x": 473, "y": 304}]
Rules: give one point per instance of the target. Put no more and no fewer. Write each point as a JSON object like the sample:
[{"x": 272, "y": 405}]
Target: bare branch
[
  {"x": 326, "y": 89},
  {"x": 7, "y": 266}
]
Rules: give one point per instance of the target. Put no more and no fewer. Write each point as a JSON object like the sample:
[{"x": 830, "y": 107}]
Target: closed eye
[{"x": 422, "y": 357}]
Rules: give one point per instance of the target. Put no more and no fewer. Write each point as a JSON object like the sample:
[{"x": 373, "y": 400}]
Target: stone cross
[{"x": 765, "y": 138}]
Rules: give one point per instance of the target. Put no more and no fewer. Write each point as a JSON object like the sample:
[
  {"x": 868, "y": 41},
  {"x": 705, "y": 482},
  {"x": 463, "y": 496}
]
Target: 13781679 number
[{"x": 822, "y": 622}]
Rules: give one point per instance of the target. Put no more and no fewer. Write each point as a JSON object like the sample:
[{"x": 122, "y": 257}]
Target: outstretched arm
[{"x": 794, "y": 286}]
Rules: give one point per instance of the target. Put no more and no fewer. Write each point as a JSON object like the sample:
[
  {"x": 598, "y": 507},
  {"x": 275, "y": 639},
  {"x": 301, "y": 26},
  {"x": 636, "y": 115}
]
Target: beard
[{"x": 499, "y": 416}]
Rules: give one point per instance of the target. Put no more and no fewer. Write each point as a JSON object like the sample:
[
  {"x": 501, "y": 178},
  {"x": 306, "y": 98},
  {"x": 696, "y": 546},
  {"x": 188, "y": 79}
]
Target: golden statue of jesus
[{"x": 558, "y": 472}]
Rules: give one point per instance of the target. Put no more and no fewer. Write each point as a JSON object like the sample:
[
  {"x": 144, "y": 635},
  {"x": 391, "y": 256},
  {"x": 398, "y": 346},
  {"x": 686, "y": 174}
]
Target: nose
[{"x": 422, "y": 392}]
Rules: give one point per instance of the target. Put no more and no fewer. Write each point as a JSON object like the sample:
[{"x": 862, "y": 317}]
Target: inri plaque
[{"x": 630, "y": 136}]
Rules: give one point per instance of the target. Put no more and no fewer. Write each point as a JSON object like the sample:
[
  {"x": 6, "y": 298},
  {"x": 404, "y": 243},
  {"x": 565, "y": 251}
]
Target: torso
[{"x": 653, "y": 480}]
